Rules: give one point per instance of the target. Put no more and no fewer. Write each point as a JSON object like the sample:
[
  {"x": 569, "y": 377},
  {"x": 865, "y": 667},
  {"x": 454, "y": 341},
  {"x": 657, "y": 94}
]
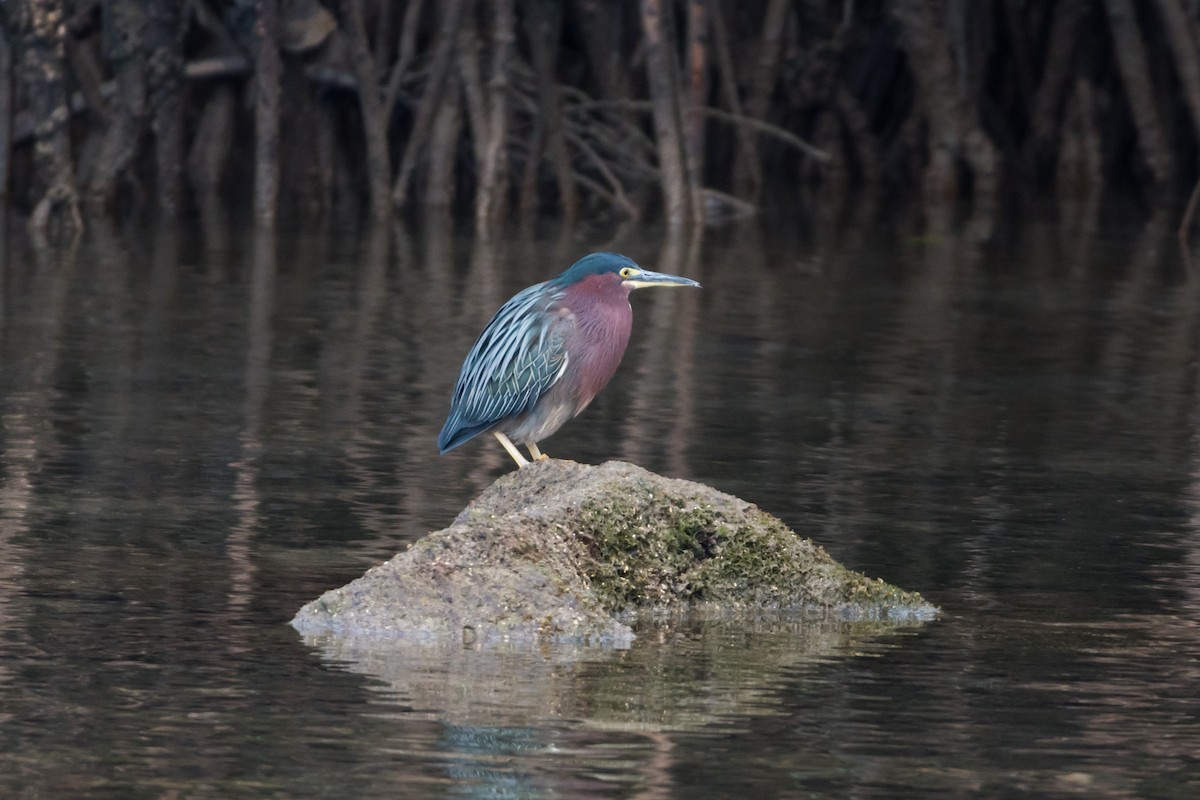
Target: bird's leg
[
  {"x": 511, "y": 448},
  {"x": 538, "y": 455}
]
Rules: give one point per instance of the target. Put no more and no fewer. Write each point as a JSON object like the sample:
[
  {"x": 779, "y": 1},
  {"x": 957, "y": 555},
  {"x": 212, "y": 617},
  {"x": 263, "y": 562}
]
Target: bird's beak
[{"x": 646, "y": 278}]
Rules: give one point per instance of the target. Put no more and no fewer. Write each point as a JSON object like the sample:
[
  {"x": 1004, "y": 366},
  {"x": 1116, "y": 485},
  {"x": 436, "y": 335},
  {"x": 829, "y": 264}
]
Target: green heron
[{"x": 546, "y": 353}]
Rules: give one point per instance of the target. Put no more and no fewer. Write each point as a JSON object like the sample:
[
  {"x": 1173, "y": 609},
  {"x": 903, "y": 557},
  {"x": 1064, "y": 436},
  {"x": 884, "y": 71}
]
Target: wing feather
[{"x": 518, "y": 357}]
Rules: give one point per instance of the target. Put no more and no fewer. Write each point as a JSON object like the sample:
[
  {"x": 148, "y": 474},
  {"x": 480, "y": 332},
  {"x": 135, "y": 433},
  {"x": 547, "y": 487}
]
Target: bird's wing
[{"x": 518, "y": 357}]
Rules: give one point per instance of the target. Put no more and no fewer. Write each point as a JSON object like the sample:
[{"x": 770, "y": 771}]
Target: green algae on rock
[{"x": 561, "y": 550}]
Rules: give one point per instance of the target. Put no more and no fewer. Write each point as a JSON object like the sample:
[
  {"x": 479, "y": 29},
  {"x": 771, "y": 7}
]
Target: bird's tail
[{"x": 455, "y": 433}]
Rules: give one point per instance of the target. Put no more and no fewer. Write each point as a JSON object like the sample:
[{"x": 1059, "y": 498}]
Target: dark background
[{"x": 586, "y": 109}]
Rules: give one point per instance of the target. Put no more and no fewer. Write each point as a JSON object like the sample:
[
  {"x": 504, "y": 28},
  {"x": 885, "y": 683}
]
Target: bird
[{"x": 547, "y": 353}]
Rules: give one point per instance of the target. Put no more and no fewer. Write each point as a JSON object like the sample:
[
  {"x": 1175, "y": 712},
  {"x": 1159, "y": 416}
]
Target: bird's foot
[{"x": 536, "y": 454}]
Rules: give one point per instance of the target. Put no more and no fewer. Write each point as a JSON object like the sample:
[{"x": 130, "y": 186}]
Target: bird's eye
[{"x": 627, "y": 272}]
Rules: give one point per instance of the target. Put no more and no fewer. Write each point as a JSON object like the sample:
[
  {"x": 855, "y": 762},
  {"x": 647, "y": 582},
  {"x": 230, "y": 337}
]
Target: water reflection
[
  {"x": 686, "y": 674},
  {"x": 246, "y": 494},
  {"x": 200, "y": 431},
  {"x": 528, "y": 722}
]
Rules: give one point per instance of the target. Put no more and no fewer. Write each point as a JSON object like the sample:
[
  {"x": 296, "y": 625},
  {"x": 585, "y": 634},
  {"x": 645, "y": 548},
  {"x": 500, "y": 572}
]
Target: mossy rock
[{"x": 560, "y": 550}]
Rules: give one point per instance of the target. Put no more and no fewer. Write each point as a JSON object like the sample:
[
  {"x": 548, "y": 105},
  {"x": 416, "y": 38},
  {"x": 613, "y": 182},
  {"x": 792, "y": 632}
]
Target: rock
[{"x": 564, "y": 551}]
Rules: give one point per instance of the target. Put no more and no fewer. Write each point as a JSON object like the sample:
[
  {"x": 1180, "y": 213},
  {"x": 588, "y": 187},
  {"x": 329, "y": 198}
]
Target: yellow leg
[
  {"x": 538, "y": 455},
  {"x": 511, "y": 448}
]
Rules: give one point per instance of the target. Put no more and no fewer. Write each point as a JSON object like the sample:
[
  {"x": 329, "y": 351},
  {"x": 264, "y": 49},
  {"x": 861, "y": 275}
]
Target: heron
[{"x": 547, "y": 353}]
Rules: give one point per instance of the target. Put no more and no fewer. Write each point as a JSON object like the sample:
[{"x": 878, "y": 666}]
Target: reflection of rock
[
  {"x": 684, "y": 674},
  {"x": 557, "y": 549}
]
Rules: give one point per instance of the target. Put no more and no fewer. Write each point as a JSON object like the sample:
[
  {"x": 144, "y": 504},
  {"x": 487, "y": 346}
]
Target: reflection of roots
[
  {"x": 60, "y": 197},
  {"x": 656, "y": 772}
]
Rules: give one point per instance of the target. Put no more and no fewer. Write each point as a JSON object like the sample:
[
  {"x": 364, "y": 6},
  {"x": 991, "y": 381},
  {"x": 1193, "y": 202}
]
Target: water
[{"x": 199, "y": 432}]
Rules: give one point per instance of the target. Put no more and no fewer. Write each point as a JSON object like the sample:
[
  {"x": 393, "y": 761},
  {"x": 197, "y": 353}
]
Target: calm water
[{"x": 199, "y": 432}]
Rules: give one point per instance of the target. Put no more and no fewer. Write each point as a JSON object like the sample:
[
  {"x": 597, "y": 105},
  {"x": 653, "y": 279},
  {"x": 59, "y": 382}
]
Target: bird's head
[{"x": 618, "y": 270}]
